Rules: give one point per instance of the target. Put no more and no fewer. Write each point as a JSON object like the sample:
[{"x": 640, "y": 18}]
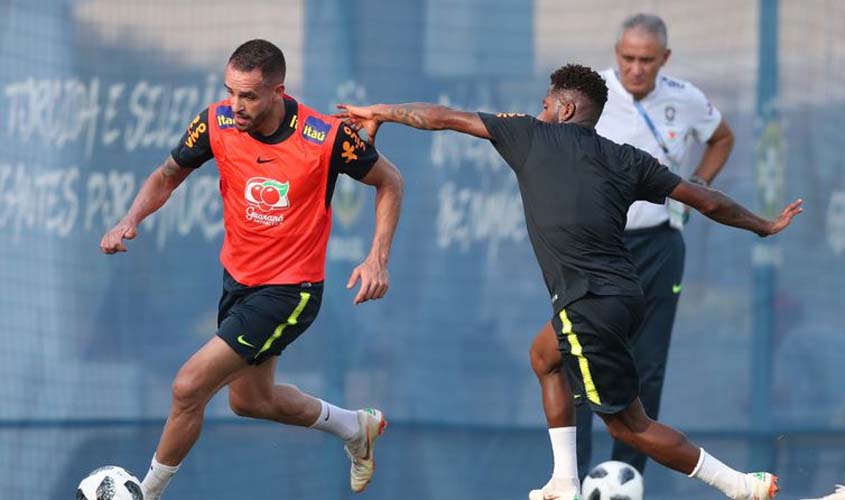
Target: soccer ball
[
  {"x": 110, "y": 483},
  {"x": 613, "y": 481}
]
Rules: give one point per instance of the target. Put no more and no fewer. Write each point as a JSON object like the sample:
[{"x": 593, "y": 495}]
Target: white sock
[
  {"x": 565, "y": 456},
  {"x": 157, "y": 479},
  {"x": 713, "y": 472},
  {"x": 338, "y": 421}
]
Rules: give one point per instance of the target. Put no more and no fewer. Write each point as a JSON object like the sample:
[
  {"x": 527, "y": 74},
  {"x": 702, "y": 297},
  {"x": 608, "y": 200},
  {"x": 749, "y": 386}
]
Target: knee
[
  {"x": 619, "y": 431},
  {"x": 188, "y": 393},
  {"x": 627, "y": 427},
  {"x": 245, "y": 406},
  {"x": 543, "y": 361}
]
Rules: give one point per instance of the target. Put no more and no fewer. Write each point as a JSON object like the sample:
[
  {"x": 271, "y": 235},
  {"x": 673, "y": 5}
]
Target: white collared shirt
[{"x": 680, "y": 113}]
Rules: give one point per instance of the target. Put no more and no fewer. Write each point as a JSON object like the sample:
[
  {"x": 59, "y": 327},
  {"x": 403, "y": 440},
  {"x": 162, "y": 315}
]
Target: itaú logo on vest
[{"x": 266, "y": 197}]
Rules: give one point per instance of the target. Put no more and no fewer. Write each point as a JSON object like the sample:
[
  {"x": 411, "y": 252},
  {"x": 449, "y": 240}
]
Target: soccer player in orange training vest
[
  {"x": 576, "y": 188},
  {"x": 278, "y": 163}
]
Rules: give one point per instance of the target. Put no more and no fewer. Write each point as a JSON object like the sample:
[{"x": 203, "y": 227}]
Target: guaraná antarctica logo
[{"x": 266, "y": 196}]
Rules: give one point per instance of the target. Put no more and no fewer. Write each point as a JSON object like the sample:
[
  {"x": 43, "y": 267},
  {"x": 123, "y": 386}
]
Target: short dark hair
[
  {"x": 262, "y": 55},
  {"x": 648, "y": 23},
  {"x": 581, "y": 79}
]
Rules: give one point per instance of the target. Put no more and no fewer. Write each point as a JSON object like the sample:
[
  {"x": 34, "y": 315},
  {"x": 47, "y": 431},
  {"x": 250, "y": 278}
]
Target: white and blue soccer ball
[
  {"x": 110, "y": 483},
  {"x": 613, "y": 481}
]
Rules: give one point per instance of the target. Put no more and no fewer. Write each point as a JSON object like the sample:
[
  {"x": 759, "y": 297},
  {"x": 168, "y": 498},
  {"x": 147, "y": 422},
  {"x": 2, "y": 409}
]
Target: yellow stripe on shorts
[
  {"x": 577, "y": 351},
  {"x": 303, "y": 300}
]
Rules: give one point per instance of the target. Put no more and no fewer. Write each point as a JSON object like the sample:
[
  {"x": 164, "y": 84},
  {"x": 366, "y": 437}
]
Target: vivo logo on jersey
[
  {"x": 315, "y": 130},
  {"x": 264, "y": 197},
  {"x": 195, "y": 130},
  {"x": 225, "y": 117}
]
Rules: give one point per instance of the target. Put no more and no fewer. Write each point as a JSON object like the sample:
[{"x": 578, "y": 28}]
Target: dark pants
[{"x": 658, "y": 255}]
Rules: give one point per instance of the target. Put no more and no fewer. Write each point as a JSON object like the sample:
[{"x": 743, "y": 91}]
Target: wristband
[{"x": 699, "y": 180}]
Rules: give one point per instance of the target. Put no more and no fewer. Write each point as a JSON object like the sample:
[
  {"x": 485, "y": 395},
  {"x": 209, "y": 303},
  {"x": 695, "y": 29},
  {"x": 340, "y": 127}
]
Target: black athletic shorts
[
  {"x": 260, "y": 321},
  {"x": 594, "y": 336}
]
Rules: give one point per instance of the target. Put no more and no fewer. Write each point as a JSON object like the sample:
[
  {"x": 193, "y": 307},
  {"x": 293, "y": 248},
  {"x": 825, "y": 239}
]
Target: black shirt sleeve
[
  {"x": 351, "y": 155},
  {"x": 511, "y": 135},
  {"x": 654, "y": 180},
  {"x": 194, "y": 147}
]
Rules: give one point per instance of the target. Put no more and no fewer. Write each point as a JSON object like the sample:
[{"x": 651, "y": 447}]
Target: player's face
[
  {"x": 551, "y": 109},
  {"x": 555, "y": 109},
  {"x": 252, "y": 99},
  {"x": 640, "y": 56}
]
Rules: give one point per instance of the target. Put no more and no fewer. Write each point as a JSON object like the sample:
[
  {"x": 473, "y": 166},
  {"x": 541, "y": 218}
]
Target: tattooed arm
[
  {"x": 721, "y": 208},
  {"x": 418, "y": 115},
  {"x": 153, "y": 194}
]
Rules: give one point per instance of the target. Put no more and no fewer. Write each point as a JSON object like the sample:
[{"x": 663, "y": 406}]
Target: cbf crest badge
[{"x": 669, "y": 113}]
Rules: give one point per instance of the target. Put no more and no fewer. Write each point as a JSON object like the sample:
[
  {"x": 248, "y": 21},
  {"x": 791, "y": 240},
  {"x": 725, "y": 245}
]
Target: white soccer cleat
[
  {"x": 838, "y": 494},
  {"x": 371, "y": 424},
  {"x": 556, "y": 489},
  {"x": 763, "y": 485}
]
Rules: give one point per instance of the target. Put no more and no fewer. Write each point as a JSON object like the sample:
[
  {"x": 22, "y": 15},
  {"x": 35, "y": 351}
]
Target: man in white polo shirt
[{"x": 663, "y": 116}]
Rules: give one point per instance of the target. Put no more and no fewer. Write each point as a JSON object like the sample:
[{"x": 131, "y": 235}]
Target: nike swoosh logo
[
  {"x": 264, "y": 160},
  {"x": 242, "y": 341},
  {"x": 328, "y": 412},
  {"x": 676, "y": 288}
]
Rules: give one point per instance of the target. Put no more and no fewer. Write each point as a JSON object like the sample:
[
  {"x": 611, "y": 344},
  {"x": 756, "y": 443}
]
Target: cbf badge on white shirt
[{"x": 664, "y": 123}]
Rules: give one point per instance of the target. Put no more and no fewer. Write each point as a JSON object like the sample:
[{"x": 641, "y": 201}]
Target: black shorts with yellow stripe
[
  {"x": 594, "y": 335},
  {"x": 259, "y": 322}
]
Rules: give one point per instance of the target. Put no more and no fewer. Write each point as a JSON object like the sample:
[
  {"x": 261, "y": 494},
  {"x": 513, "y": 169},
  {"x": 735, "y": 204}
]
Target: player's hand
[
  {"x": 375, "y": 280},
  {"x": 785, "y": 217},
  {"x": 361, "y": 117},
  {"x": 112, "y": 241}
]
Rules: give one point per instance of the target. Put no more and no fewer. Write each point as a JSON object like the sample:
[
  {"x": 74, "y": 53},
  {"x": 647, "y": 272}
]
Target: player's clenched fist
[{"x": 112, "y": 241}]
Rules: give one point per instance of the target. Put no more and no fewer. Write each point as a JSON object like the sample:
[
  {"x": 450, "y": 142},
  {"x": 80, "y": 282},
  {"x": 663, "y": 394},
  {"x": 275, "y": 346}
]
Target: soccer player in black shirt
[{"x": 576, "y": 187}]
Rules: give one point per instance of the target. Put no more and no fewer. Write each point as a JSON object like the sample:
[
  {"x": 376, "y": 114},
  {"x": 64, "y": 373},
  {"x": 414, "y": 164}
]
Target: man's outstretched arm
[
  {"x": 419, "y": 115},
  {"x": 721, "y": 208},
  {"x": 375, "y": 279},
  {"x": 153, "y": 194}
]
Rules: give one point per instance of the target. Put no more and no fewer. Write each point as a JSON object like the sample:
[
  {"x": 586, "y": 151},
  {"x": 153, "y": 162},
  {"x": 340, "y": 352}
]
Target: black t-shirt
[
  {"x": 195, "y": 149},
  {"x": 576, "y": 188}
]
